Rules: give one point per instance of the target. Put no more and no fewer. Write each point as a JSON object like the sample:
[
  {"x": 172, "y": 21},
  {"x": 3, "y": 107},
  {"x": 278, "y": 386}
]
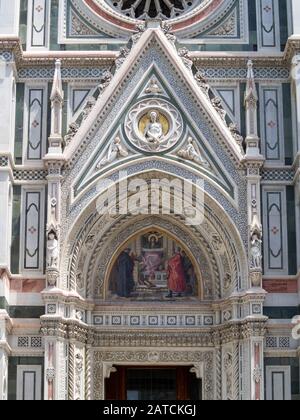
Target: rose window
[{"x": 145, "y": 9}]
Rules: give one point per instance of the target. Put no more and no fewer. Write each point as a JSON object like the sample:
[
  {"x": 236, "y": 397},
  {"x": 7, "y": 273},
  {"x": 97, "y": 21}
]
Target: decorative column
[
  {"x": 4, "y": 352},
  {"x": 54, "y": 161},
  {"x": 77, "y": 363},
  {"x": 254, "y": 327},
  {"x": 253, "y": 162},
  {"x": 257, "y": 368},
  {"x": 54, "y": 346},
  {"x": 7, "y": 122}
]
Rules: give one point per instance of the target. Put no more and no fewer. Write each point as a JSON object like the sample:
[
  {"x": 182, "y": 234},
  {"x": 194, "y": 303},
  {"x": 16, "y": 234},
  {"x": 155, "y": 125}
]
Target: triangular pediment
[{"x": 154, "y": 77}]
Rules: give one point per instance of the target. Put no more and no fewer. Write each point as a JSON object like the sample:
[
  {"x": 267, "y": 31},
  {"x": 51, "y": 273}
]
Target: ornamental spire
[
  {"x": 57, "y": 101},
  {"x": 57, "y": 93},
  {"x": 251, "y": 101},
  {"x": 251, "y": 91}
]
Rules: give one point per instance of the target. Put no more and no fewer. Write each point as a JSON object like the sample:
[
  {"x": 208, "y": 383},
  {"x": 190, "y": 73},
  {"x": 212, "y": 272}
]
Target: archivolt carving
[
  {"x": 118, "y": 238},
  {"x": 226, "y": 253},
  {"x": 194, "y": 358}
]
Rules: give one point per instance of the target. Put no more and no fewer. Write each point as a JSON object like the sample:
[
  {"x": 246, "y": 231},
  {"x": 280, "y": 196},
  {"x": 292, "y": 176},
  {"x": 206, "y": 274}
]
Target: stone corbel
[
  {"x": 108, "y": 369},
  {"x": 198, "y": 370}
]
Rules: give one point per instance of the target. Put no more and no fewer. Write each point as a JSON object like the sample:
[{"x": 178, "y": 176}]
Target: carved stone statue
[
  {"x": 167, "y": 30},
  {"x": 105, "y": 81},
  {"x": 217, "y": 104},
  {"x": 192, "y": 152},
  {"x": 140, "y": 30},
  {"x": 255, "y": 252},
  {"x": 153, "y": 87},
  {"x": 52, "y": 250},
  {"x": 88, "y": 108},
  {"x": 154, "y": 130},
  {"x": 236, "y": 135},
  {"x": 115, "y": 151},
  {"x": 200, "y": 79},
  {"x": 124, "y": 51},
  {"x": 184, "y": 55},
  {"x": 73, "y": 128}
]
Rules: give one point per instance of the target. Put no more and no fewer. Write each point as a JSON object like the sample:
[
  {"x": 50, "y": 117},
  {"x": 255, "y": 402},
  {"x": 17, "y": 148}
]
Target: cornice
[
  {"x": 107, "y": 58},
  {"x": 44, "y": 58}
]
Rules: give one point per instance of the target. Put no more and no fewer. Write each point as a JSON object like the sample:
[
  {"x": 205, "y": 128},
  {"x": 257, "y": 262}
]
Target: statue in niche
[
  {"x": 256, "y": 244},
  {"x": 153, "y": 87},
  {"x": 116, "y": 151},
  {"x": 255, "y": 252},
  {"x": 154, "y": 129},
  {"x": 191, "y": 152},
  {"x": 52, "y": 250}
]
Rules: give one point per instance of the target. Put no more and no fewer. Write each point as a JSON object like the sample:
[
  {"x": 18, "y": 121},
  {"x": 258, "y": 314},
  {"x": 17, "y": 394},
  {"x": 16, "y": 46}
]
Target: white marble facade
[{"x": 92, "y": 90}]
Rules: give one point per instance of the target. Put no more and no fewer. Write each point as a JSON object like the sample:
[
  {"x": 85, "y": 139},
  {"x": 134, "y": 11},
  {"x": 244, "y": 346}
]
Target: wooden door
[{"x": 180, "y": 384}]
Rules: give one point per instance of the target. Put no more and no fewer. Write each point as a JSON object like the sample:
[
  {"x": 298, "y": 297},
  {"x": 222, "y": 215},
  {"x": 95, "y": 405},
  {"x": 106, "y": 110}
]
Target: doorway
[{"x": 153, "y": 384}]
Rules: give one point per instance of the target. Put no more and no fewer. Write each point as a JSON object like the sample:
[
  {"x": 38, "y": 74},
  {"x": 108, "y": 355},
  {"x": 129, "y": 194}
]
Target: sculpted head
[{"x": 153, "y": 116}]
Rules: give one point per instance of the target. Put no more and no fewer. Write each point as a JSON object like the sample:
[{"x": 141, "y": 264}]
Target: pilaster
[
  {"x": 54, "y": 161},
  {"x": 253, "y": 333},
  {"x": 8, "y": 97},
  {"x": 5, "y": 217},
  {"x": 5, "y": 327},
  {"x": 296, "y": 91},
  {"x": 253, "y": 162}
]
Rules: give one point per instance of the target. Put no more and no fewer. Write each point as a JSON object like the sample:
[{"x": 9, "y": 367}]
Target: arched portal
[{"x": 214, "y": 247}]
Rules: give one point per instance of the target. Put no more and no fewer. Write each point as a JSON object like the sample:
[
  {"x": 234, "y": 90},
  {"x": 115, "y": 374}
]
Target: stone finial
[
  {"x": 251, "y": 96},
  {"x": 57, "y": 93}
]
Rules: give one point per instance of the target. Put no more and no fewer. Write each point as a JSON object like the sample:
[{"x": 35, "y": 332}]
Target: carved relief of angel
[{"x": 116, "y": 151}]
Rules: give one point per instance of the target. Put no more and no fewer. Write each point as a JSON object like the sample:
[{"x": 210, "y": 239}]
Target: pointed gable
[{"x": 155, "y": 76}]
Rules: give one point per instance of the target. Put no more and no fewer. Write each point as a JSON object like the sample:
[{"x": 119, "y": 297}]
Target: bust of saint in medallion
[{"x": 154, "y": 131}]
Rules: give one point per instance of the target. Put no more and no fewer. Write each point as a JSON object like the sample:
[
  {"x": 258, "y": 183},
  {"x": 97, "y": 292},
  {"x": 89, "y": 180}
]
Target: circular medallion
[{"x": 153, "y": 126}]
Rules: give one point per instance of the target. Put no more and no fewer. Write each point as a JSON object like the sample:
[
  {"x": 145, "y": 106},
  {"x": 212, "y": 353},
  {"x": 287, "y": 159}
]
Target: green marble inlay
[
  {"x": 23, "y": 23},
  {"x": 13, "y": 363},
  {"x": 288, "y": 124},
  {"x": 22, "y": 312},
  {"x": 3, "y": 303}
]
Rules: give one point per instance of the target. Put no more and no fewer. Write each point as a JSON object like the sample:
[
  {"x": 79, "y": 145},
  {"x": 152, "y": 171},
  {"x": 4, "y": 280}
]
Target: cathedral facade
[{"x": 150, "y": 199}]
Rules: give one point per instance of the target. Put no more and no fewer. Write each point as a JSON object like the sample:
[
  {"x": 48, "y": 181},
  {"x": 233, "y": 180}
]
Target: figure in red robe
[{"x": 176, "y": 276}]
